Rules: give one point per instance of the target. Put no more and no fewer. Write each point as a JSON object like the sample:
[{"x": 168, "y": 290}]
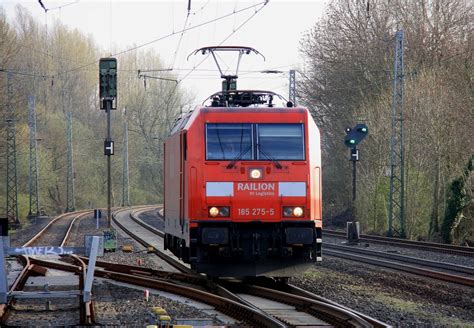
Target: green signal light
[
  {"x": 352, "y": 141},
  {"x": 364, "y": 130}
]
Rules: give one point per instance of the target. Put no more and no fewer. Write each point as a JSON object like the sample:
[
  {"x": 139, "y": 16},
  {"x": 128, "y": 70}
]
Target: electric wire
[
  {"x": 58, "y": 7},
  {"x": 201, "y": 9},
  {"x": 231, "y": 34},
  {"x": 170, "y": 34},
  {"x": 171, "y": 94},
  {"x": 180, "y": 39},
  {"x": 14, "y": 72}
]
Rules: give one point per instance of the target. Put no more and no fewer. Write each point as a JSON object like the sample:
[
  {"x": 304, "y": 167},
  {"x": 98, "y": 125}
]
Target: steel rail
[
  {"x": 42, "y": 231},
  {"x": 403, "y": 267},
  {"x": 428, "y": 246},
  {"x": 187, "y": 278},
  {"x": 86, "y": 308},
  {"x": 357, "y": 319},
  {"x": 147, "y": 272},
  {"x": 133, "y": 216},
  {"x": 232, "y": 308},
  {"x": 299, "y": 291},
  {"x": 173, "y": 262},
  {"x": 334, "y": 314},
  {"x": 87, "y": 314},
  {"x": 403, "y": 258},
  {"x": 216, "y": 288},
  {"x": 68, "y": 232},
  {"x": 18, "y": 284}
]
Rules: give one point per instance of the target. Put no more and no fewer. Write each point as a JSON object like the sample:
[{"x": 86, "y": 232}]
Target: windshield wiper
[
  {"x": 268, "y": 156},
  {"x": 239, "y": 157}
]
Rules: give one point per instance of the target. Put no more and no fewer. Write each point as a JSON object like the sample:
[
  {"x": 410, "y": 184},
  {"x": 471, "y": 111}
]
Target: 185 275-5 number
[{"x": 255, "y": 211}]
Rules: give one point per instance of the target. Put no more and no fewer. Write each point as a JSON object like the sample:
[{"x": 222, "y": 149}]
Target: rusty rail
[
  {"x": 232, "y": 308},
  {"x": 403, "y": 267},
  {"x": 427, "y": 246},
  {"x": 170, "y": 260}
]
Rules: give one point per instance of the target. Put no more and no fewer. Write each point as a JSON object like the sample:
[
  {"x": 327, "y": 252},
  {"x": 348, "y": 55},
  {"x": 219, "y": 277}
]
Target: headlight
[
  {"x": 213, "y": 211},
  {"x": 287, "y": 211},
  {"x": 293, "y": 211},
  {"x": 298, "y": 212},
  {"x": 221, "y": 211},
  {"x": 224, "y": 211},
  {"x": 256, "y": 173}
]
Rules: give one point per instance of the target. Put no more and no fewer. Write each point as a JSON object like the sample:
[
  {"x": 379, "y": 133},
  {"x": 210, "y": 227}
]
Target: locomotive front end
[{"x": 260, "y": 208}]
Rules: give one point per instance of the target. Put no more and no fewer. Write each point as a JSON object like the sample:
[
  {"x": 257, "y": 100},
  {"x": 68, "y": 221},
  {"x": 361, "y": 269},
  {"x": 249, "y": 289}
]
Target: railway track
[
  {"x": 156, "y": 245},
  {"x": 448, "y": 272},
  {"x": 55, "y": 233},
  {"x": 415, "y": 269},
  {"x": 294, "y": 309},
  {"x": 246, "y": 307},
  {"x": 422, "y": 245}
]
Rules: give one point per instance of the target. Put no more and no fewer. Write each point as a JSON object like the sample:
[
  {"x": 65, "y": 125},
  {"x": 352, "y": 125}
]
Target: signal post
[
  {"x": 353, "y": 137},
  {"x": 108, "y": 102}
]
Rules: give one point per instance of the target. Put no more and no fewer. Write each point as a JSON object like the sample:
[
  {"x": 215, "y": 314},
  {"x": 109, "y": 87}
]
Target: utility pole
[
  {"x": 292, "y": 84},
  {"x": 70, "y": 207},
  {"x": 125, "y": 176},
  {"x": 12, "y": 191},
  {"x": 33, "y": 212},
  {"x": 396, "y": 213}
]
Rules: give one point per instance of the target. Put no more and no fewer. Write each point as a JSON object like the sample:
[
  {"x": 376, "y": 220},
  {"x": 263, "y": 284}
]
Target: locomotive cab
[{"x": 243, "y": 187}]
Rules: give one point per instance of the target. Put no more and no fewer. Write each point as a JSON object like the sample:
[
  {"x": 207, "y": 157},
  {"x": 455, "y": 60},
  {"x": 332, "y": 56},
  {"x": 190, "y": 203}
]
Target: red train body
[{"x": 243, "y": 191}]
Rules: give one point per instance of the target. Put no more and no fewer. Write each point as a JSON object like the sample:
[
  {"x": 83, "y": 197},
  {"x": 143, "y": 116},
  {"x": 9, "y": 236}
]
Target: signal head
[
  {"x": 356, "y": 135},
  {"x": 362, "y": 128},
  {"x": 350, "y": 142}
]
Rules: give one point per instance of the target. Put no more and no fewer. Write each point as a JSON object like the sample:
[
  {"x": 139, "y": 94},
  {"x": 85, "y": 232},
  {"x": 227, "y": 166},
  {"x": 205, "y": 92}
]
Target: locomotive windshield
[
  {"x": 254, "y": 141},
  {"x": 280, "y": 141},
  {"x": 228, "y": 141}
]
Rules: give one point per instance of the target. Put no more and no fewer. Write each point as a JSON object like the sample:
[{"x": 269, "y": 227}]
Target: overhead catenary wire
[
  {"x": 171, "y": 93},
  {"x": 201, "y": 8},
  {"x": 181, "y": 36},
  {"x": 57, "y": 7},
  {"x": 228, "y": 37},
  {"x": 24, "y": 73},
  {"x": 263, "y": 3}
]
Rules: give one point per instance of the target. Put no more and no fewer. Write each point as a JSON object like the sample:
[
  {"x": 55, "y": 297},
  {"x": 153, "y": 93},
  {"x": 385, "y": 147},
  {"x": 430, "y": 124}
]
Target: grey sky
[{"x": 275, "y": 30}]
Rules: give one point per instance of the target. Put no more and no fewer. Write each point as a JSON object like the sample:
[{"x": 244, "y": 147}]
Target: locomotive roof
[
  {"x": 182, "y": 122},
  {"x": 244, "y": 101},
  {"x": 245, "y": 98}
]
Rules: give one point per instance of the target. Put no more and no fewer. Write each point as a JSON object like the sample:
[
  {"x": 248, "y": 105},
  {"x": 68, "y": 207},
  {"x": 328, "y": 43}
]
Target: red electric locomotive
[{"x": 243, "y": 186}]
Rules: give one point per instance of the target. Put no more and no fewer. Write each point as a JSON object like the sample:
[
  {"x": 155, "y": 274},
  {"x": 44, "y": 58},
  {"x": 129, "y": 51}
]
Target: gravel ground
[
  {"x": 402, "y": 300},
  {"x": 151, "y": 218},
  {"x": 60, "y": 312},
  {"x": 118, "y": 305},
  {"x": 123, "y": 306},
  {"x": 19, "y": 237},
  {"x": 433, "y": 256},
  {"x": 87, "y": 226}
]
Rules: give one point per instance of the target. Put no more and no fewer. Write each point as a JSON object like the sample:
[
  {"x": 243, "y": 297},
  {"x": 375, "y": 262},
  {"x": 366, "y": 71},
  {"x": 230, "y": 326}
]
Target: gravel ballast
[
  {"x": 406, "y": 251},
  {"x": 400, "y": 299},
  {"x": 116, "y": 304}
]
